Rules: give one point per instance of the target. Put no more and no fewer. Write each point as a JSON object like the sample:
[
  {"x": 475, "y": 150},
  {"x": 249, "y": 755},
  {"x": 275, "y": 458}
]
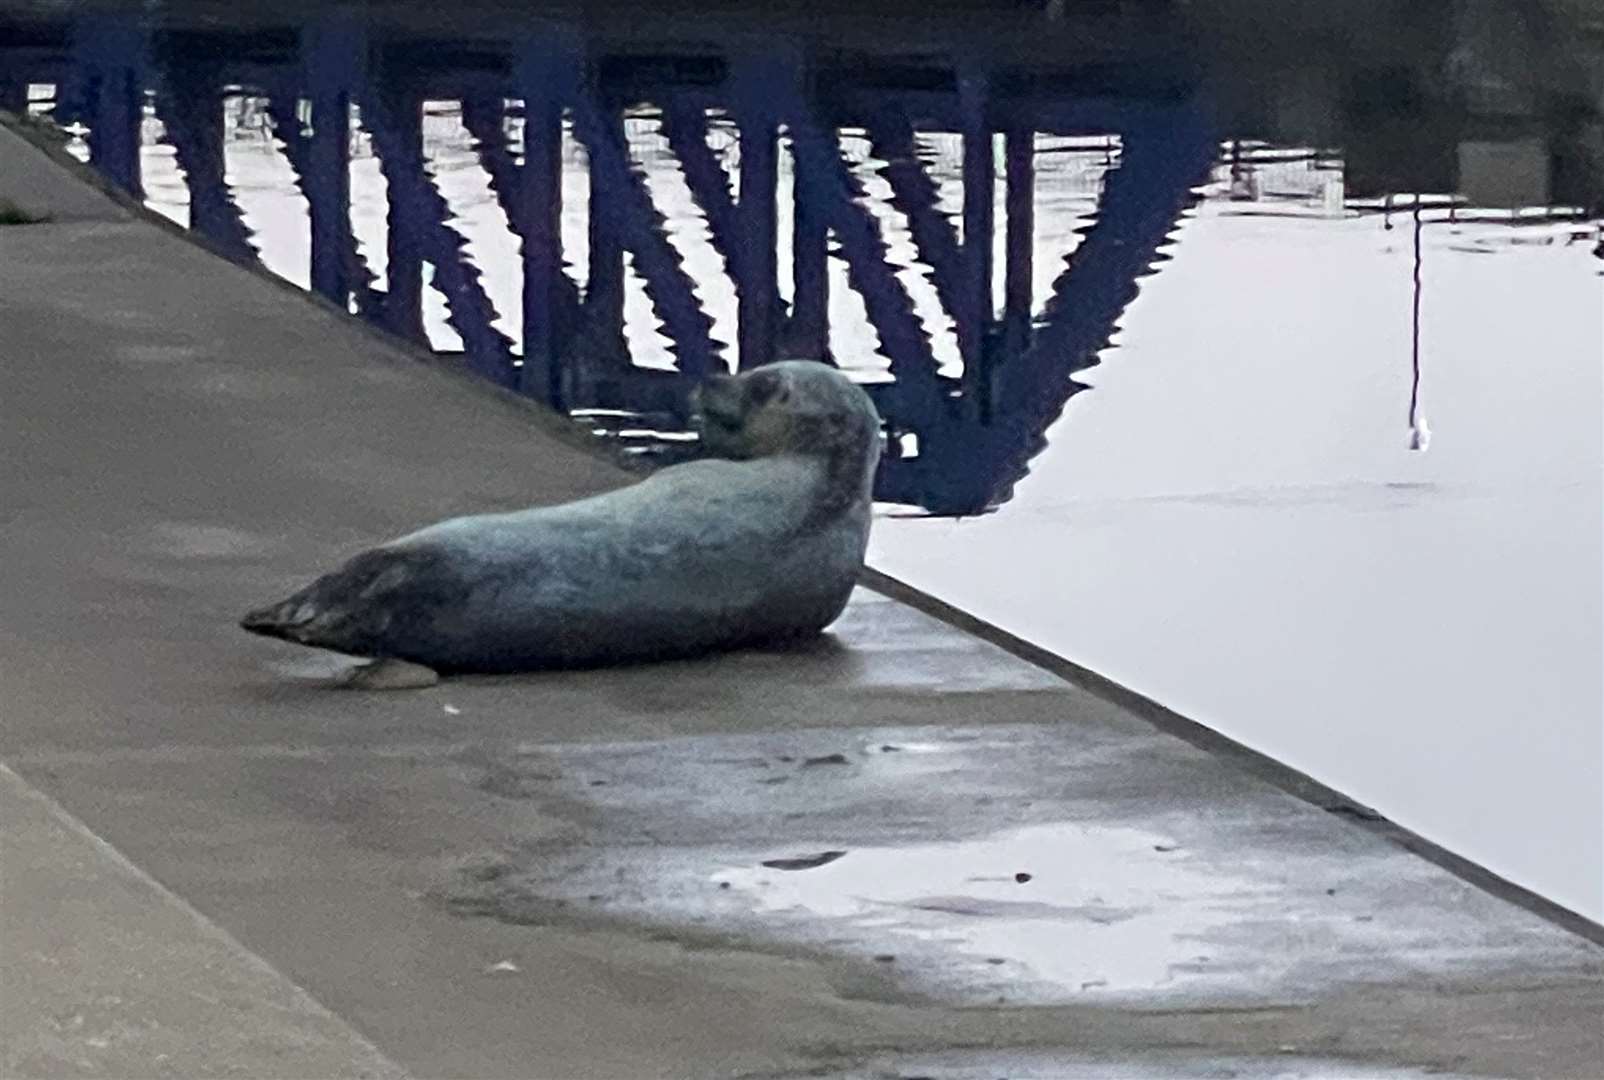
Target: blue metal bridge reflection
[{"x": 960, "y": 435}]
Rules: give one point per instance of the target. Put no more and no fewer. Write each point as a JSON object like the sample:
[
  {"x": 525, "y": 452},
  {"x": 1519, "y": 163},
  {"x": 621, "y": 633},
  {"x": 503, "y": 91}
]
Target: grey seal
[{"x": 760, "y": 541}]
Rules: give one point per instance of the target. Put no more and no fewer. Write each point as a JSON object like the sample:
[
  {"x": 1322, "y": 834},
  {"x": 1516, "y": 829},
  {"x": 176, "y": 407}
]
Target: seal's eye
[{"x": 763, "y": 387}]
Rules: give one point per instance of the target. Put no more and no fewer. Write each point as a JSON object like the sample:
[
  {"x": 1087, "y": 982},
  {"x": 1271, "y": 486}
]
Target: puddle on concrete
[
  {"x": 1050, "y": 864},
  {"x": 1065, "y": 908}
]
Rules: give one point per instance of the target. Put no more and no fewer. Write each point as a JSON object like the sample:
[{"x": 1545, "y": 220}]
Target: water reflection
[{"x": 594, "y": 224}]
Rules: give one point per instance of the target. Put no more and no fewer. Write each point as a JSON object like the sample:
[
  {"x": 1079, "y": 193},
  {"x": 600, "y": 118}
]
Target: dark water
[{"x": 1290, "y": 230}]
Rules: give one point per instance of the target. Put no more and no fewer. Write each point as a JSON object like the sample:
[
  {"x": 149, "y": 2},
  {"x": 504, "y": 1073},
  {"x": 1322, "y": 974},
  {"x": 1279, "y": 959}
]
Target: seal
[{"x": 758, "y": 542}]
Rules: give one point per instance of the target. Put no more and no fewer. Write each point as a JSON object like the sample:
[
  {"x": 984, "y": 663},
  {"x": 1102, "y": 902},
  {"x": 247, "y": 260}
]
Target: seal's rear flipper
[
  {"x": 279, "y": 620},
  {"x": 351, "y": 610}
]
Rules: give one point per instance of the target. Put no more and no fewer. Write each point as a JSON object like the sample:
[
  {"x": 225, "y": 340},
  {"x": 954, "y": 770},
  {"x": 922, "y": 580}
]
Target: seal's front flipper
[{"x": 390, "y": 675}]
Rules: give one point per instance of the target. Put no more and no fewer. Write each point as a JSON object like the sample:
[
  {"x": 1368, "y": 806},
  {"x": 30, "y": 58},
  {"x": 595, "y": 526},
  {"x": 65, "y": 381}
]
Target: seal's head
[{"x": 789, "y": 407}]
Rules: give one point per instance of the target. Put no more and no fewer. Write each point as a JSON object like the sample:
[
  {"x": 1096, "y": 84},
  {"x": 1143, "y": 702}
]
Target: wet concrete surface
[
  {"x": 523, "y": 876},
  {"x": 108, "y": 974},
  {"x": 1076, "y": 862}
]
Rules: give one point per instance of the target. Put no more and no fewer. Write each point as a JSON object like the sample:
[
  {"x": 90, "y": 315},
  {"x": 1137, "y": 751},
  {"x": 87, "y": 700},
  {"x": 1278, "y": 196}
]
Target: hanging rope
[{"x": 1419, "y": 433}]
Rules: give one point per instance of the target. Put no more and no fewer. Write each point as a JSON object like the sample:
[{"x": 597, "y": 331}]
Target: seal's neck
[{"x": 846, "y": 480}]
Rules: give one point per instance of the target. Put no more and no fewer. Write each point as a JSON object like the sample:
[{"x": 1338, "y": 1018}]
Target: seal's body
[{"x": 760, "y": 543}]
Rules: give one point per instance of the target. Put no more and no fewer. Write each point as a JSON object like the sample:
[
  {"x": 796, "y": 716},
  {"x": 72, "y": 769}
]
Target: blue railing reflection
[{"x": 961, "y": 437}]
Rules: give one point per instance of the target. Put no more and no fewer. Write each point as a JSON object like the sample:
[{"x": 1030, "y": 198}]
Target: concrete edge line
[
  {"x": 202, "y": 923},
  {"x": 1298, "y": 784},
  {"x": 44, "y": 138}
]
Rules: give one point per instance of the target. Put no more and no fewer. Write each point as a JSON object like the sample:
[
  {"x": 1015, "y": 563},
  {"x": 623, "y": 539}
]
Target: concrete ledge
[
  {"x": 109, "y": 974},
  {"x": 34, "y": 184}
]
